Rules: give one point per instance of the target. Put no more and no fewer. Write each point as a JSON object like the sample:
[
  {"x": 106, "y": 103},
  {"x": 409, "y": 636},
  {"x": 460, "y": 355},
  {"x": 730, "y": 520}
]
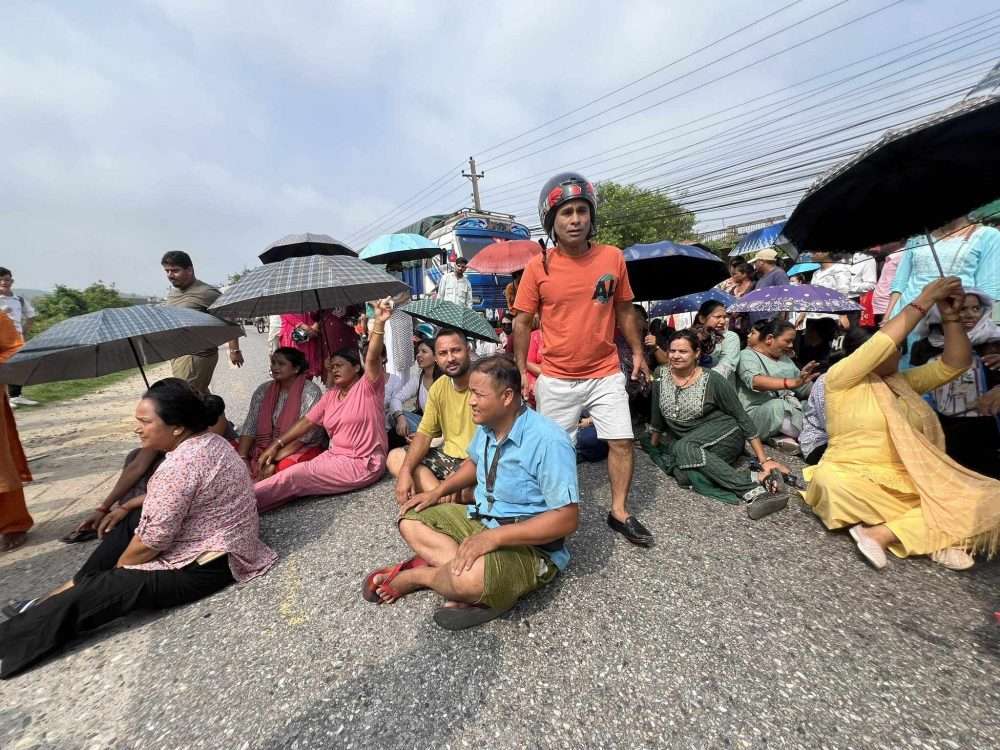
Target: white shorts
[{"x": 605, "y": 399}]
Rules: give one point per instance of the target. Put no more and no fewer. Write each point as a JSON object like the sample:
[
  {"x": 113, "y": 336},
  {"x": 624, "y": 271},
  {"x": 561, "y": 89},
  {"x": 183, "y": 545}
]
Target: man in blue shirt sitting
[{"x": 484, "y": 557}]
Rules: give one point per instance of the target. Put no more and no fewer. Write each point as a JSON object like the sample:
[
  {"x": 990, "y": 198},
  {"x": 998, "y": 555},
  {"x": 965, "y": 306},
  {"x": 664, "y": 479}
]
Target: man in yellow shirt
[{"x": 447, "y": 414}]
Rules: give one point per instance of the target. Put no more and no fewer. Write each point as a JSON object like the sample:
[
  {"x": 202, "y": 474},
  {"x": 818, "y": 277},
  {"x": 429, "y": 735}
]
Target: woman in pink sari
[
  {"x": 274, "y": 407},
  {"x": 301, "y": 331},
  {"x": 352, "y": 414}
]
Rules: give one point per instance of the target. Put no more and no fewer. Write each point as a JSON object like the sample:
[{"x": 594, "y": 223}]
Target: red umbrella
[{"x": 505, "y": 257}]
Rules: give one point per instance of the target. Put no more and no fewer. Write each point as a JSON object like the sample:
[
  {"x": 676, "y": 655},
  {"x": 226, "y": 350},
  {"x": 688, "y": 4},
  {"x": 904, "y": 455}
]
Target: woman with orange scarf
[
  {"x": 274, "y": 407},
  {"x": 885, "y": 473},
  {"x": 14, "y": 517}
]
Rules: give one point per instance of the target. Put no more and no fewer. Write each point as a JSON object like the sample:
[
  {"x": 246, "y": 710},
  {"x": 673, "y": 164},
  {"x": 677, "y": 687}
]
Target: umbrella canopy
[
  {"x": 399, "y": 248},
  {"x": 988, "y": 214},
  {"x": 449, "y": 315},
  {"x": 771, "y": 237},
  {"x": 115, "y": 339},
  {"x": 794, "y": 298},
  {"x": 505, "y": 257},
  {"x": 307, "y": 284},
  {"x": 303, "y": 245},
  {"x": 689, "y": 303},
  {"x": 802, "y": 268},
  {"x": 910, "y": 181},
  {"x": 668, "y": 269}
]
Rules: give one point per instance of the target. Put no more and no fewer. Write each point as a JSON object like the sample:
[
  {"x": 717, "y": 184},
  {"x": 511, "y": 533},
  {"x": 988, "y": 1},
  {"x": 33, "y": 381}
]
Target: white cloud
[{"x": 219, "y": 126}]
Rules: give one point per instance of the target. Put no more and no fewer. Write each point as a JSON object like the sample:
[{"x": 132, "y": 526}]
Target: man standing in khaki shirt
[{"x": 193, "y": 294}]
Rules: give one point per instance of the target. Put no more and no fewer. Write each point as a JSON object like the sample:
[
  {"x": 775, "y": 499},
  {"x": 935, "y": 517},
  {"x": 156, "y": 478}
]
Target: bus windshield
[{"x": 471, "y": 246}]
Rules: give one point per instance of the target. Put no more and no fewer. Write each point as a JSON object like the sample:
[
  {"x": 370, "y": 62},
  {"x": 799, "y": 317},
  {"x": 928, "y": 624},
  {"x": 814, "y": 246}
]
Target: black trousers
[{"x": 102, "y": 593}]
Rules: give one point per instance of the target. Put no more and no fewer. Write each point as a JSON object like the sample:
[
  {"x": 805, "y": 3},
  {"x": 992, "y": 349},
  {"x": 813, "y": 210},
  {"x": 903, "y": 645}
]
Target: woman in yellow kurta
[{"x": 885, "y": 473}]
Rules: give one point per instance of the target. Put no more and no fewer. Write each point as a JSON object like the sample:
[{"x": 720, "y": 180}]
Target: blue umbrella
[
  {"x": 398, "y": 248},
  {"x": 689, "y": 303},
  {"x": 668, "y": 269},
  {"x": 763, "y": 239},
  {"x": 802, "y": 268}
]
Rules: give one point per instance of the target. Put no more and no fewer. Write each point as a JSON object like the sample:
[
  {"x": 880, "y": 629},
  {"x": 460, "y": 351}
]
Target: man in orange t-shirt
[{"x": 582, "y": 293}]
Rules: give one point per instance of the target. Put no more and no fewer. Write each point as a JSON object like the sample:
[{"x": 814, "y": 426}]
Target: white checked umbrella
[
  {"x": 115, "y": 339},
  {"x": 316, "y": 282}
]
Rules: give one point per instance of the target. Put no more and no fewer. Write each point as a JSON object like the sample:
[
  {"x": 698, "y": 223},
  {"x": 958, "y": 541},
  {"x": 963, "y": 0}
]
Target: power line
[
  {"x": 649, "y": 75},
  {"x": 742, "y": 69},
  {"x": 727, "y": 112}
]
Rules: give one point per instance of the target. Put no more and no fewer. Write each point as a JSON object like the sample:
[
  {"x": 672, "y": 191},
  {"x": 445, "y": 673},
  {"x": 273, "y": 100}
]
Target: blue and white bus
[{"x": 462, "y": 235}]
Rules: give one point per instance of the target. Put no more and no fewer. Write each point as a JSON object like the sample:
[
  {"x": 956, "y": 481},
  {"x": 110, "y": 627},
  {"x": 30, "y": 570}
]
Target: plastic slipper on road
[
  {"x": 368, "y": 588},
  {"x": 460, "y": 618}
]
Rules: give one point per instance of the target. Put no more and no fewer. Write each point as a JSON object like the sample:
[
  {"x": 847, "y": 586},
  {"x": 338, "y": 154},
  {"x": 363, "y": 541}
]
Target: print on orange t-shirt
[{"x": 576, "y": 300}]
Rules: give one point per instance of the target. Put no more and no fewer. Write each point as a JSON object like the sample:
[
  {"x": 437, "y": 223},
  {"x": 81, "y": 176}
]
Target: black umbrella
[
  {"x": 115, "y": 339},
  {"x": 302, "y": 245},
  {"x": 662, "y": 270},
  {"x": 909, "y": 182}
]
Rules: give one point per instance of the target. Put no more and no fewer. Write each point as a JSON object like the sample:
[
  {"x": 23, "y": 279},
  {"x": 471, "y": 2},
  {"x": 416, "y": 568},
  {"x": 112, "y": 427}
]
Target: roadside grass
[{"x": 50, "y": 393}]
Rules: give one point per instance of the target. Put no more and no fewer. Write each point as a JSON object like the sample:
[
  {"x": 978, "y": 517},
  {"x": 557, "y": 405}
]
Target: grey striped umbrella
[
  {"x": 115, "y": 339},
  {"x": 449, "y": 315},
  {"x": 306, "y": 284},
  {"x": 302, "y": 245}
]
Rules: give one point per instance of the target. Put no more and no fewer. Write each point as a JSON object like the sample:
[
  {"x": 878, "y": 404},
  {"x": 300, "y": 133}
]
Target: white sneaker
[
  {"x": 953, "y": 558},
  {"x": 22, "y": 401},
  {"x": 869, "y": 548}
]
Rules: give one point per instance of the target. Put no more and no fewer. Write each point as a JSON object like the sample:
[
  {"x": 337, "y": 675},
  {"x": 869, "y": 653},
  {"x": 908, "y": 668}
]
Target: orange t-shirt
[{"x": 576, "y": 300}]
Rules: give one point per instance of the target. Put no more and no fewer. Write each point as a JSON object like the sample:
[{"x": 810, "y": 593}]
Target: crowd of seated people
[{"x": 487, "y": 489}]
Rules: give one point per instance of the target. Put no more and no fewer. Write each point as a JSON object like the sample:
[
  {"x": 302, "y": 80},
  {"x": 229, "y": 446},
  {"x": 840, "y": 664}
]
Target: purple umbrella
[{"x": 792, "y": 298}]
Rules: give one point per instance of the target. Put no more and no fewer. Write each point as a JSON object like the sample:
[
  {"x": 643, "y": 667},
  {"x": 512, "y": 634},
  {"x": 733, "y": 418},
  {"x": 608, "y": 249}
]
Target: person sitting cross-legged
[
  {"x": 484, "y": 557},
  {"x": 419, "y": 467}
]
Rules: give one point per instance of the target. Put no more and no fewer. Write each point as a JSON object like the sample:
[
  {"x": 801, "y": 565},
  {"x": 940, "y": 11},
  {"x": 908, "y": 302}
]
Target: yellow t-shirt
[{"x": 447, "y": 412}]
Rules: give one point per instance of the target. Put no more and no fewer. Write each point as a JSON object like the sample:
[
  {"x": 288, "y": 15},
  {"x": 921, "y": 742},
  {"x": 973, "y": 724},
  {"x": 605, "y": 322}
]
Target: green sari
[
  {"x": 703, "y": 428},
  {"x": 768, "y": 409}
]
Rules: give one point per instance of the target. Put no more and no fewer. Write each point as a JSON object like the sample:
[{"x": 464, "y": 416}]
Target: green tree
[
  {"x": 234, "y": 277},
  {"x": 627, "y": 215},
  {"x": 65, "y": 302}
]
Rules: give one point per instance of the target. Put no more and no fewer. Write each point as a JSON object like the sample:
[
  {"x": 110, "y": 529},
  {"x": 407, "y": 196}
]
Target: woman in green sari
[
  {"x": 698, "y": 432},
  {"x": 772, "y": 388}
]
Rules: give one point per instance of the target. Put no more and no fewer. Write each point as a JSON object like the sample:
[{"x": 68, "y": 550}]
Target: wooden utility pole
[{"x": 475, "y": 177}]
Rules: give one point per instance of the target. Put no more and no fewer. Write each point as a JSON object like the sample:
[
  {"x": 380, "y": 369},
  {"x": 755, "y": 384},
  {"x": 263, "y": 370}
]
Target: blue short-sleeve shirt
[{"x": 536, "y": 472}]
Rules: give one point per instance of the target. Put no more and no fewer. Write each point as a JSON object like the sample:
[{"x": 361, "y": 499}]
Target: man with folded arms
[{"x": 486, "y": 556}]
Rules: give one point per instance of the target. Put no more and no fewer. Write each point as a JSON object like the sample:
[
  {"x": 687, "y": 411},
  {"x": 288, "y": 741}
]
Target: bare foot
[{"x": 404, "y": 583}]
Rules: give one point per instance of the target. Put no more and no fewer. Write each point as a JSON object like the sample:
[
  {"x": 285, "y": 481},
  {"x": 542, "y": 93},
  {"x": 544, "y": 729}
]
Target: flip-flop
[
  {"x": 80, "y": 535},
  {"x": 460, "y": 618},
  {"x": 369, "y": 587}
]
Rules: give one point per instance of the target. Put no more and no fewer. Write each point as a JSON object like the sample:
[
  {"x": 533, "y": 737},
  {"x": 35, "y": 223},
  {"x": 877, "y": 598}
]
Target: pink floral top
[{"x": 201, "y": 500}]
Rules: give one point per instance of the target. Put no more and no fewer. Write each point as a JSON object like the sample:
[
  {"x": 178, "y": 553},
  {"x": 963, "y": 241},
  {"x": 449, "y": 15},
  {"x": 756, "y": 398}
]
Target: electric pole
[{"x": 475, "y": 177}]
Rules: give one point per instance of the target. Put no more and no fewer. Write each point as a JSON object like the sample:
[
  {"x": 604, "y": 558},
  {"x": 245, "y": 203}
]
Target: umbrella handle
[
  {"x": 937, "y": 260},
  {"x": 138, "y": 362}
]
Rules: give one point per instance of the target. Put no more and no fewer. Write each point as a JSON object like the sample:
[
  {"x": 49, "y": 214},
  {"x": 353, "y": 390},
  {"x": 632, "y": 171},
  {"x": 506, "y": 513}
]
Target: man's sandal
[{"x": 369, "y": 589}]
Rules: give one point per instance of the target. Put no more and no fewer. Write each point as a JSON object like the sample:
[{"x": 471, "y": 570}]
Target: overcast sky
[{"x": 216, "y": 127}]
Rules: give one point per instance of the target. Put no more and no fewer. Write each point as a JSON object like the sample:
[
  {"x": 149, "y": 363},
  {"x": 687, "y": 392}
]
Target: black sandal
[
  {"x": 80, "y": 535},
  {"x": 460, "y": 618}
]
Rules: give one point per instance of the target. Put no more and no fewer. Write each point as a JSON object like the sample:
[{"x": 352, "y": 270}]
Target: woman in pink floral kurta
[{"x": 196, "y": 533}]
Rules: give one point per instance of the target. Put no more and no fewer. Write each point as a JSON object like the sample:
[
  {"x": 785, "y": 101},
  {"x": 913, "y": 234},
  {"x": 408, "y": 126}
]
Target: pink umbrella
[{"x": 505, "y": 257}]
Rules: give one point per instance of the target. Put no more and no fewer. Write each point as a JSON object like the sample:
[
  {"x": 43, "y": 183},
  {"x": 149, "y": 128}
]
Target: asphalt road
[{"x": 728, "y": 634}]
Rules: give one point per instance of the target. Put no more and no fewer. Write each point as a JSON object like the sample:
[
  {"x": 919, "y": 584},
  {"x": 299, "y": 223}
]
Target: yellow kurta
[{"x": 861, "y": 478}]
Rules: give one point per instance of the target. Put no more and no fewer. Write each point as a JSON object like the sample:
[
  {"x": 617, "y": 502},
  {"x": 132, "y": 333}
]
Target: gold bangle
[
  {"x": 377, "y": 332},
  {"x": 951, "y": 320}
]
